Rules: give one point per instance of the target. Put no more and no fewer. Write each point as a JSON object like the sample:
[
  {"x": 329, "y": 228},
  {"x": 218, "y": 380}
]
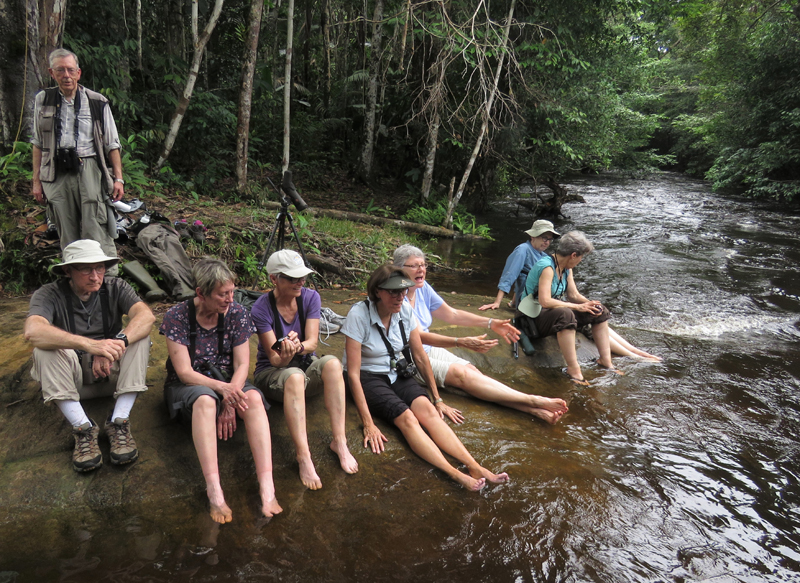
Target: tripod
[{"x": 278, "y": 234}]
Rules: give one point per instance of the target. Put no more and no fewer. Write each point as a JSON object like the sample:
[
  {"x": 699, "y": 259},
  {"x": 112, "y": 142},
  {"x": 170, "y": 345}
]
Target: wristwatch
[
  {"x": 123, "y": 337},
  {"x": 120, "y": 180}
]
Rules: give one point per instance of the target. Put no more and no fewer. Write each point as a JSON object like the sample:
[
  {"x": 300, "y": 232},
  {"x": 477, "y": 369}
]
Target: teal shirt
[{"x": 559, "y": 286}]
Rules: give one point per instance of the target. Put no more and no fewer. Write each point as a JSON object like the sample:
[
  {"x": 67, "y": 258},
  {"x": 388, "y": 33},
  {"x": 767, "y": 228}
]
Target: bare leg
[
  {"x": 257, "y": 427},
  {"x": 566, "y": 341},
  {"x": 204, "y": 435},
  {"x": 294, "y": 408},
  {"x": 424, "y": 447},
  {"x": 448, "y": 441},
  {"x": 600, "y": 335},
  {"x": 622, "y": 347},
  {"x": 471, "y": 380},
  {"x": 333, "y": 383}
]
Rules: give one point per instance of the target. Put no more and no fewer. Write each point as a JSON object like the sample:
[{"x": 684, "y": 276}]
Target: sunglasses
[{"x": 293, "y": 280}]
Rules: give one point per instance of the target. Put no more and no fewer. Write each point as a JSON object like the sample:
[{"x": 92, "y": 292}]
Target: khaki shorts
[
  {"x": 271, "y": 380},
  {"x": 441, "y": 361}
]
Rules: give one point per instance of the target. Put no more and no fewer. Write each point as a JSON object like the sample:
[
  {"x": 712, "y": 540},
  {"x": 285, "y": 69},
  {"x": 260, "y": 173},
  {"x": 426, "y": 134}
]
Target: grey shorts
[
  {"x": 271, "y": 380},
  {"x": 180, "y": 399},
  {"x": 441, "y": 360}
]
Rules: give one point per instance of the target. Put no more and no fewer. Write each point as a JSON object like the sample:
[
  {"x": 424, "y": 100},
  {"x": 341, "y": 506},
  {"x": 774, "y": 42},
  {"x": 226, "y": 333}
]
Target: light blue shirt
[
  {"x": 362, "y": 326},
  {"x": 518, "y": 264},
  {"x": 426, "y": 300}
]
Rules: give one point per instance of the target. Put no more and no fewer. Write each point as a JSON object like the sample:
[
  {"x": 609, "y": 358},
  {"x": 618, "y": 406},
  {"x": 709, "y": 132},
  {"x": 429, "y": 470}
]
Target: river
[{"x": 686, "y": 470}]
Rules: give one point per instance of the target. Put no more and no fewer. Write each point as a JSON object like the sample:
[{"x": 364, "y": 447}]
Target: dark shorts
[
  {"x": 180, "y": 398},
  {"x": 554, "y": 320},
  {"x": 389, "y": 401}
]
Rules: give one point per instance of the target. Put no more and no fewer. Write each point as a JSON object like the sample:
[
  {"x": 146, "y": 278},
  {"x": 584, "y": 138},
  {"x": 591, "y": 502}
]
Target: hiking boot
[
  {"x": 123, "y": 447},
  {"x": 86, "y": 455}
]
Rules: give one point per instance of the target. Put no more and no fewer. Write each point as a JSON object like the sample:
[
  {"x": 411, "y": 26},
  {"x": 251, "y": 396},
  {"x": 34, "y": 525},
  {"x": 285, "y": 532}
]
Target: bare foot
[
  {"x": 642, "y": 355},
  {"x": 308, "y": 475},
  {"x": 552, "y": 417},
  {"x": 271, "y": 507},
  {"x": 220, "y": 512},
  {"x": 346, "y": 459},
  {"x": 470, "y": 483},
  {"x": 481, "y": 472}
]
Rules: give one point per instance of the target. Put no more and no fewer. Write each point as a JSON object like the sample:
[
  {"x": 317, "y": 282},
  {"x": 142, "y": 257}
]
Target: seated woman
[
  {"x": 515, "y": 274},
  {"x": 557, "y": 307},
  {"x": 449, "y": 369},
  {"x": 206, "y": 387},
  {"x": 379, "y": 333},
  {"x": 287, "y": 370},
  {"x": 519, "y": 263}
]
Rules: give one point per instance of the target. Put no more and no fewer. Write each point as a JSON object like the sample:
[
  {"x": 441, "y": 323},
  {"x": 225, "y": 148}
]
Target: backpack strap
[
  {"x": 277, "y": 324},
  {"x": 104, "y": 308}
]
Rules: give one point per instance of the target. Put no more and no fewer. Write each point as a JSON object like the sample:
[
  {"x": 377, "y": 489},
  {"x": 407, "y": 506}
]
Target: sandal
[{"x": 579, "y": 382}]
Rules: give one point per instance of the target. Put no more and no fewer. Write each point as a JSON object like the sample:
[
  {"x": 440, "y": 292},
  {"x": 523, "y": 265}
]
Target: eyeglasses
[
  {"x": 397, "y": 293},
  {"x": 99, "y": 270},
  {"x": 293, "y": 280},
  {"x": 62, "y": 70},
  {"x": 416, "y": 266},
  {"x": 547, "y": 239}
]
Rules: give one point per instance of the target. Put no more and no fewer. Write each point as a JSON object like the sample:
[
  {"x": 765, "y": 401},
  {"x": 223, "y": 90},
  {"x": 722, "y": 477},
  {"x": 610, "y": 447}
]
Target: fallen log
[{"x": 373, "y": 220}]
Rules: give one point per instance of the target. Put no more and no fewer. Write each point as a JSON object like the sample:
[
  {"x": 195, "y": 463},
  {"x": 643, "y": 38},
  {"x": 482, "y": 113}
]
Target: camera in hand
[
  {"x": 67, "y": 160},
  {"x": 405, "y": 369},
  {"x": 211, "y": 371},
  {"x": 277, "y": 346}
]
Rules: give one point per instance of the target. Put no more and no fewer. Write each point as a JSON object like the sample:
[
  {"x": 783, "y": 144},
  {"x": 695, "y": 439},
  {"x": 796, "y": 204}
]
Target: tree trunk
[
  {"x": 29, "y": 30},
  {"x": 326, "y": 39},
  {"x": 365, "y": 162},
  {"x": 246, "y": 93},
  {"x": 437, "y": 95},
  {"x": 183, "y": 104},
  {"x": 448, "y": 222},
  {"x": 139, "y": 65},
  {"x": 287, "y": 87}
]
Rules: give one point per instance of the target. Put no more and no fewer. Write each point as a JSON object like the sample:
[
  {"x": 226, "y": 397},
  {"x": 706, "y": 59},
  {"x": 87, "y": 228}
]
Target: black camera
[
  {"x": 405, "y": 369},
  {"x": 211, "y": 371},
  {"x": 67, "y": 160},
  {"x": 277, "y": 346}
]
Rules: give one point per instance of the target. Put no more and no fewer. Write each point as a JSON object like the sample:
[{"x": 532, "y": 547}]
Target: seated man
[
  {"x": 287, "y": 323},
  {"x": 75, "y": 326}
]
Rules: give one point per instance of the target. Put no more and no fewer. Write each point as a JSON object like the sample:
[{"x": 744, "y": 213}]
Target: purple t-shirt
[
  {"x": 263, "y": 320},
  {"x": 238, "y": 329}
]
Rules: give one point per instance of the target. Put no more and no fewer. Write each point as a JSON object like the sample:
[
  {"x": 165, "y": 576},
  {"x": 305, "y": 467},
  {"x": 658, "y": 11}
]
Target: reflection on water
[{"x": 686, "y": 470}]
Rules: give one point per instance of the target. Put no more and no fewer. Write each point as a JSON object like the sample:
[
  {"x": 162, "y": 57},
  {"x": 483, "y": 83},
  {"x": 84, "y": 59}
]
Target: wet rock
[{"x": 36, "y": 476}]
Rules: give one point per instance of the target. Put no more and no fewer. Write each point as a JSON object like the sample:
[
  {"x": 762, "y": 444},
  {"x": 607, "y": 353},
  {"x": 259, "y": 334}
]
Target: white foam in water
[{"x": 717, "y": 325}]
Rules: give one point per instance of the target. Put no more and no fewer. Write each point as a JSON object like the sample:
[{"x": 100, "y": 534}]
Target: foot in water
[{"x": 580, "y": 381}]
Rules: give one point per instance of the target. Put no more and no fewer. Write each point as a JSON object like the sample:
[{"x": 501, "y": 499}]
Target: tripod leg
[
  {"x": 278, "y": 227},
  {"x": 300, "y": 247}
]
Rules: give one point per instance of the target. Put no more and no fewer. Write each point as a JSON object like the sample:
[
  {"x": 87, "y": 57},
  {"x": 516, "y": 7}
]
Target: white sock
[
  {"x": 122, "y": 409},
  {"x": 73, "y": 411}
]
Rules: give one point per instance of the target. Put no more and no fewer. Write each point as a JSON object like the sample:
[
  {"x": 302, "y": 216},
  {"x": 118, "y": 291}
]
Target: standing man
[
  {"x": 80, "y": 349},
  {"x": 74, "y": 139},
  {"x": 520, "y": 262}
]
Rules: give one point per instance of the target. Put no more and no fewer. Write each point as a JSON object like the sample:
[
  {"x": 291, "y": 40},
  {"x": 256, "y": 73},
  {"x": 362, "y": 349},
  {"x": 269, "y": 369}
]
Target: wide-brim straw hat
[{"x": 83, "y": 252}]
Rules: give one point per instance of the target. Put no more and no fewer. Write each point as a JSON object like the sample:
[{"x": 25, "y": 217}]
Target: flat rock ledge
[{"x": 37, "y": 480}]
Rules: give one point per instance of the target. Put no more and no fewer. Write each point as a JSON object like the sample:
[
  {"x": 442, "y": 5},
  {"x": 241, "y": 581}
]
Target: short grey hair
[
  {"x": 208, "y": 273},
  {"x": 574, "y": 242},
  {"x": 62, "y": 54},
  {"x": 403, "y": 252}
]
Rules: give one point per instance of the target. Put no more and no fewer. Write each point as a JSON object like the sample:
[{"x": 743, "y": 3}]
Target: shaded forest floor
[{"x": 237, "y": 229}]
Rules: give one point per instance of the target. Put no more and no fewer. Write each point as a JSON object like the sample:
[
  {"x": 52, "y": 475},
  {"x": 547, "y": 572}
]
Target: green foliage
[
  {"x": 435, "y": 212},
  {"x": 16, "y": 165}
]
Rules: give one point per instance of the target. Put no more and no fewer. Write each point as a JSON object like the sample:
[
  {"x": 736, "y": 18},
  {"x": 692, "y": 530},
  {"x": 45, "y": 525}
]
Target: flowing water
[{"x": 686, "y": 470}]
